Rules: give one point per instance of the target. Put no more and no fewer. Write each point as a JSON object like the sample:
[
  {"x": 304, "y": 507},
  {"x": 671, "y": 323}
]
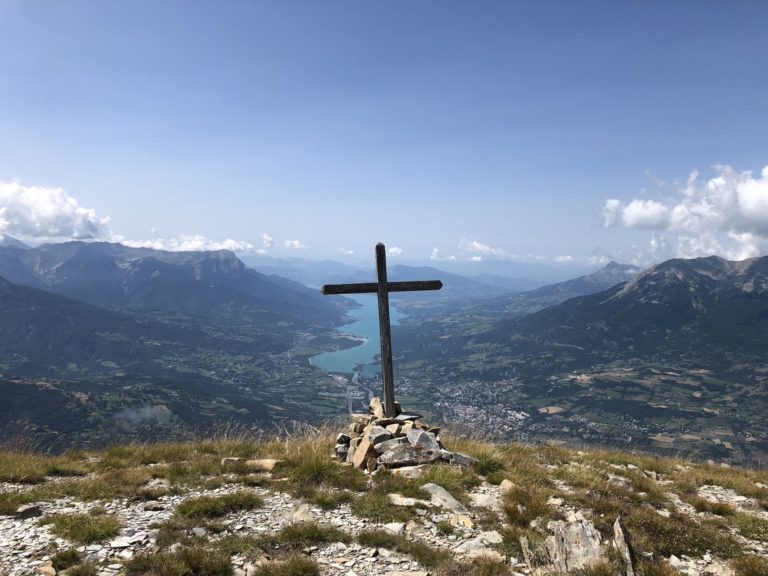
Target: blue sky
[{"x": 541, "y": 130}]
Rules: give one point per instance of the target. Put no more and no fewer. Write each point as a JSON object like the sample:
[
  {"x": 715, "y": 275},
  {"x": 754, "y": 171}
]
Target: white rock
[{"x": 395, "y": 528}]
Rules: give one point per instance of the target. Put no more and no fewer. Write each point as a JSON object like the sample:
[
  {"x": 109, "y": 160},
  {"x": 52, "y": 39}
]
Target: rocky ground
[{"x": 514, "y": 510}]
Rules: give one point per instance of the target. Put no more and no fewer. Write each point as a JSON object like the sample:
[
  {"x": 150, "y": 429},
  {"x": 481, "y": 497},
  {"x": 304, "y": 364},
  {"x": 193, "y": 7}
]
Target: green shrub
[
  {"x": 521, "y": 505},
  {"x": 752, "y": 527},
  {"x": 750, "y": 565},
  {"x": 63, "y": 559},
  {"x": 425, "y": 555},
  {"x": 83, "y": 528},
  {"x": 704, "y": 505},
  {"x": 678, "y": 535},
  {"x": 303, "y": 534},
  {"x": 294, "y": 566},
  {"x": 188, "y": 561},
  {"x": 85, "y": 569},
  {"x": 213, "y": 507}
]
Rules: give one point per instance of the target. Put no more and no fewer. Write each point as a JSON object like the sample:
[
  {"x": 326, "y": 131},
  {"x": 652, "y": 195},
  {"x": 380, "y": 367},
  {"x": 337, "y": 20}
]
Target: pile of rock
[{"x": 375, "y": 440}]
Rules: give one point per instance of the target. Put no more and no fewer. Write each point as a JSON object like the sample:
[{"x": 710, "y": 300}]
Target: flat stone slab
[
  {"x": 262, "y": 464},
  {"x": 379, "y": 434},
  {"x": 407, "y": 455},
  {"x": 410, "y": 471},
  {"x": 443, "y": 498},
  {"x": 405, "y": 416},
  {"x": 422, "y": 439},
  {"x": 390, "y": 444}
]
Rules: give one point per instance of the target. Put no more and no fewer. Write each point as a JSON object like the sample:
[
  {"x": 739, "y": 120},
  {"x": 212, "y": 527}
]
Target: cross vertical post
[
  {"x": 385, "y": 332},
  {"x": 382, "y": 287}
]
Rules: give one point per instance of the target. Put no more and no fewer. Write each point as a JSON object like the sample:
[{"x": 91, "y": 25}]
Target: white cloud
[
  {"x": 266, "y": 240},
  {"x": 475, "y": 258},
  {"x": 192, "y": 243},
  {"x": 294, "y": 244},
  {"x": 645, "y": 214},
  {"x": 46, "y": 213},
  {"x": 611, "y": 211},
  {"x": 478, "y": 248},
  {"x": 348, "y": 252},
  {"x": 435, "y": 255},
  {"x": 725, "y": 215},
  {"x": 394, "y": 251},
  {"x": 563, "y": 259}
]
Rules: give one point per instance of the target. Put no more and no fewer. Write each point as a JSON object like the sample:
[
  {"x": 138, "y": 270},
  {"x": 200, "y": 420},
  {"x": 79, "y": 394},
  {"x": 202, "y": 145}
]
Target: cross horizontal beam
[{"x": 415, "y": 285}]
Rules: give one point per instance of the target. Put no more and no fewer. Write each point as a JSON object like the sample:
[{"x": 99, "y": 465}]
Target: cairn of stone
[{"x": 375, "y": 441}]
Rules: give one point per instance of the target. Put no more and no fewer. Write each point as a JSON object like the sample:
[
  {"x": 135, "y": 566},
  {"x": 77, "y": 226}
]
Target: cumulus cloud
[
  {"x": 192, "y": 243},
  {"x": 480, "y": 249},
  {"x": 46, "y": 213},
  {"x": 435, "y": 255},
  {"x": 266, "y": 240},
  {"x": 563, "y": 259},
  {"x": 725, "y": 215},
  {"x": 294, "y": 244},
  {"x": 394, "y": 251}
]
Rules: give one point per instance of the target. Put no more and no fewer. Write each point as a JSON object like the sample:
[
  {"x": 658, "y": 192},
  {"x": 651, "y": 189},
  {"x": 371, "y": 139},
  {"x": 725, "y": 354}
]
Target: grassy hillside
[{"x": 181, "y": 508}]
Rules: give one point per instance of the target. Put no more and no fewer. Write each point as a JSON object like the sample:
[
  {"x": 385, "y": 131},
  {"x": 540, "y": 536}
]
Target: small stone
[
  {"x": 363, "y": 419},
  {"x": 343, "y": 439},
  {"x": 363, "y": 452},
  {"x": 121, "y": 542},
  {"x": 382, "y": 447},
  {"x": 400, "y": 500},
  {"x": 411, "y": 472},
  {"x": 153, "y": 506},
  {"x": 199, "y": 531},
  {"x": 573, "y": 545},
  {"x": 506, "y": 487},
  {"x": 442, "y": 497},
  {"x": 407, "y": 455},
  {"x": 263, "y": 464},
  {"x": 408, "y": 417},
  {"x": 47, "y": 569},
  {"x": 28, "y": 511},
  {"x": 462, "y": 520},
  {"x": 459, "y": 459},
  {"x": 303, "y": 514},
  {"x": 393, "y": 428},
  {"x": 486, "y": 554},
  {"x": 485, "y": 501},
  {"x": 491, "y": 537},
  {"x": 423, "y": 440},
  {"x": 351, "y": 453},
  {"x": 377, "y": 435},
  {"x": 396, "y": 528},
  {"x": 623, "y": 544},
  {"x": 376, "y": 407}
]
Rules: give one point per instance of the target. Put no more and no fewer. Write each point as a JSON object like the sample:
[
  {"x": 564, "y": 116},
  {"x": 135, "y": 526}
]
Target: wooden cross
[{"x": 383, "y": 288}]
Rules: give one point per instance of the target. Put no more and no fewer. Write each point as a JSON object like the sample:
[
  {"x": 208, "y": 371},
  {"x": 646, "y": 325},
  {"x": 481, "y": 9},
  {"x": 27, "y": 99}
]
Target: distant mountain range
[
  {"x": 209, "y": 284},
  {"x": 6, "y": 240},
  {"x": 94, "y": 331},
  {"x": 496, "y": 275},
  {"x": 99, "y": 341},
  {"x": 707, "y": 307},
  {"x": 506, "y": 304},
  {"x": 674, "y": 359}
]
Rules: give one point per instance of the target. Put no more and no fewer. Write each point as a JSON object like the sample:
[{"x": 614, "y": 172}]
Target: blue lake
[{"x": 366, "y": 325}]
